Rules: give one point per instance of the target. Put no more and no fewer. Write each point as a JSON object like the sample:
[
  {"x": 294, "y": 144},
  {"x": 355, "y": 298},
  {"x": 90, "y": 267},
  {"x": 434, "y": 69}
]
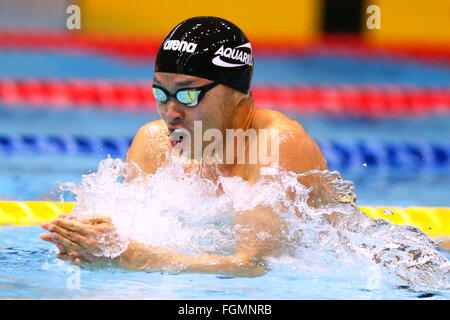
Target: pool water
[
  {"x": 29, "y": 269},
  {"x": 309, "y": 68},
  {"x": 28, "y": 265},
  {"x": 32, "y": 178}
]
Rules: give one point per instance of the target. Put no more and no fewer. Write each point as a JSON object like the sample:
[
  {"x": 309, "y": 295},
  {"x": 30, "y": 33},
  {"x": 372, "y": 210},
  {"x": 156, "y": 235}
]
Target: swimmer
[{"x": 202, "y": 74}]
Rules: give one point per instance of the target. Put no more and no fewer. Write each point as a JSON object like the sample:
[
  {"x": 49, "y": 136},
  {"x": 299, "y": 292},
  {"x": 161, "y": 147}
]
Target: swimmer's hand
[
  {"x": 77, "y": 240},
  {"x": 259, "y": 232}
]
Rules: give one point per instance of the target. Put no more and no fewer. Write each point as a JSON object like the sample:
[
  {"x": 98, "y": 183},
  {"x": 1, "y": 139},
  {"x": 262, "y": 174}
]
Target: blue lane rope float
[
  {"x": 64, "y": 144},
  {"x": 341, "y": 155},
  {"x": 396, "y": 155}
]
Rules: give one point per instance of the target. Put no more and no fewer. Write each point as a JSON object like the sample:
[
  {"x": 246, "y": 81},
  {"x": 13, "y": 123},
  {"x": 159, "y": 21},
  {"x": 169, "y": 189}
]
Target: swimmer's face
[{"x": 210, "y": 110}]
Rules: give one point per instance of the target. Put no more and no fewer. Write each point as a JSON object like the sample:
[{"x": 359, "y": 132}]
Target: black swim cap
[{"x": 210, "y": 48}]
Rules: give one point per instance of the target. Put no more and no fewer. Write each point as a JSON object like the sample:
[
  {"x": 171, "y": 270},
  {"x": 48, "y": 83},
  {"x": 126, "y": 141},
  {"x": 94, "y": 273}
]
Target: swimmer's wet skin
[{"x": 203, "y": 72}]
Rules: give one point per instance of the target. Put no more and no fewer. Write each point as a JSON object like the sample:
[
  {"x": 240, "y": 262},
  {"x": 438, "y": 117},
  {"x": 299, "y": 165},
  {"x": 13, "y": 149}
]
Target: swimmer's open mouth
[{"x": 176, "y": 137}]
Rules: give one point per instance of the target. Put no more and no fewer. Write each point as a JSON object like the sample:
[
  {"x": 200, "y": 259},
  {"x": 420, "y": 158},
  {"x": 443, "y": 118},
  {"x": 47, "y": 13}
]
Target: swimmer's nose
[{"x": 174, "y": 112}]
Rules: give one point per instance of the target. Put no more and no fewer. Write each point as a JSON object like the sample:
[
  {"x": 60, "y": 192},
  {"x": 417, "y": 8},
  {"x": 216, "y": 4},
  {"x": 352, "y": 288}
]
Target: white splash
[{"x": 185, "y": 212}]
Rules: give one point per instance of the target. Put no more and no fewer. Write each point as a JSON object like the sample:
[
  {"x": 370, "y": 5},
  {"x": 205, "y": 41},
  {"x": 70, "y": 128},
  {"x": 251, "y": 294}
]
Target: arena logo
[
  {"x": 234, "y": 54},
  {"x": 177, "y": 45}
]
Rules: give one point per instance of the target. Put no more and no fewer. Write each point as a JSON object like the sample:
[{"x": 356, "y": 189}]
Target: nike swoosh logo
[
  {"x": 219, "y": 62},
  {"x": 245, "y": 45}
]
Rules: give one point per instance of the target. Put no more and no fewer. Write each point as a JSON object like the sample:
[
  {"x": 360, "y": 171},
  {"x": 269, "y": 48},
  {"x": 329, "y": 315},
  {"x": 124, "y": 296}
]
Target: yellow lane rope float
[
  {"x": 27, "y": 213},
  {"x": 433, "y": 221}
]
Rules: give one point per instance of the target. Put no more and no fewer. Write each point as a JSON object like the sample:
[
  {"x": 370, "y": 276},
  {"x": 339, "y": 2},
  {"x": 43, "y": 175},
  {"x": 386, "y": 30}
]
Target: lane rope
[
  {"x": 435, "y": 221},
  {"x": 357, "y": 100},
  {"x": 341, "y": 155}
]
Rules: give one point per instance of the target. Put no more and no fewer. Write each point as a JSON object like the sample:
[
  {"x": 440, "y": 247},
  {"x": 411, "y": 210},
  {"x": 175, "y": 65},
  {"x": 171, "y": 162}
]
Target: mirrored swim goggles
[{"x": 190, "y": 97}]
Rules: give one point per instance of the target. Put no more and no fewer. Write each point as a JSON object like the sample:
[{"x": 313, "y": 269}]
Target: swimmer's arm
[
  {"x": 144, "y": 257},
  {"x": 75, "y": 244},
  {"x": 258, "y": 230},
  {"x": 300, "y": 153}
]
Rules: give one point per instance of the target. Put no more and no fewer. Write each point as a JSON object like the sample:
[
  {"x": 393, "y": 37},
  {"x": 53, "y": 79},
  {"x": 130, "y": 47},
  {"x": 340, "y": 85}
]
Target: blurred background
[{"x": 369, "y": 80}]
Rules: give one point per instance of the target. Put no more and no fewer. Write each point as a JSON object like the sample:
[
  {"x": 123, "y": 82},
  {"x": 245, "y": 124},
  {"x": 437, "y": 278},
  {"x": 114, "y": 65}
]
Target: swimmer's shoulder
[
  {"x": 153, "y": 129},
  {"x": 272, "y": 119},
  {"x": 149, "y": 146},
  {"x": 298, "y": 151}
]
